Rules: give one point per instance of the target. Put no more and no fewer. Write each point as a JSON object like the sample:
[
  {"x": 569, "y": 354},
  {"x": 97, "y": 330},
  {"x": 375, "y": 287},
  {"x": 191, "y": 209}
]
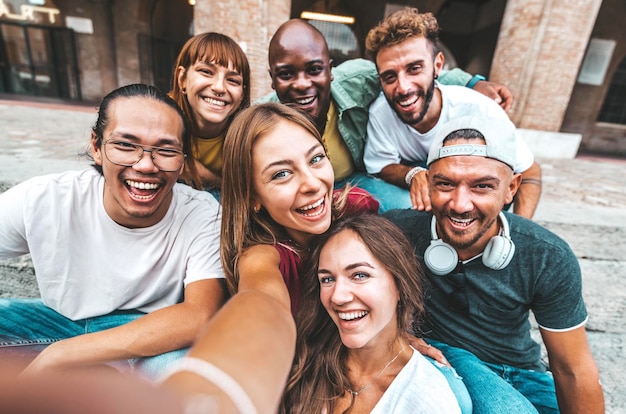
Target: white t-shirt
[
  {"x": 391, "y": 141},
  {"x": 418, "y": 388},
  {"x": 88, "y": 265}
]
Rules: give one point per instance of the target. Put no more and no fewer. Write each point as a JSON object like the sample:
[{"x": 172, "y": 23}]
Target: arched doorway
[
  {"x": 614, "y": 107},
  {"x": 37, "y": 52},
  {"x": 172, "y": 25}
]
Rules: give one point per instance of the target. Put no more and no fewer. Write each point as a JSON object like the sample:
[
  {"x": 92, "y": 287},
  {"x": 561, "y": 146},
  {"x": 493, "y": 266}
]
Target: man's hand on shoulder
[
  {"x": 425, "y": 348},
  {"x": 496, "y": 91}
]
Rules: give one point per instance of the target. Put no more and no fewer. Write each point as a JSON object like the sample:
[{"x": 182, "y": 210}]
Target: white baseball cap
[{"x": 500, "y": 140}]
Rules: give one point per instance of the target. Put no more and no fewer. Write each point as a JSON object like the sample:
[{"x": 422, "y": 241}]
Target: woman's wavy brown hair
[{"x": 318, "y": 375}]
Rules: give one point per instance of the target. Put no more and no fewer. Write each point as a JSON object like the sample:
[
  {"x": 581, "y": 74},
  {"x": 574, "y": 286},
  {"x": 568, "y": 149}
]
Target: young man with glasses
[
  {"x": 488, "y": 269},
  {"x": 126, "y": 260}
]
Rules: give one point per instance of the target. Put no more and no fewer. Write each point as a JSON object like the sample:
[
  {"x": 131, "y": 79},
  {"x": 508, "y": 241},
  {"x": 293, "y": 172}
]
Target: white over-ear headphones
[{"x": 441, "y": 258}]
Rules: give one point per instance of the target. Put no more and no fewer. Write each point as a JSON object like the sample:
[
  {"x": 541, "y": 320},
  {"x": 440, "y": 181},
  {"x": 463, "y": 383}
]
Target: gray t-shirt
[{"x": 543, "y": 276}]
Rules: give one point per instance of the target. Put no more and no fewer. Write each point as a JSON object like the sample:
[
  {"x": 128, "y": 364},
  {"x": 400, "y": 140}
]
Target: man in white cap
[
  {"x": 487, "y": 269},
  {"x": 413, "y": 105}
]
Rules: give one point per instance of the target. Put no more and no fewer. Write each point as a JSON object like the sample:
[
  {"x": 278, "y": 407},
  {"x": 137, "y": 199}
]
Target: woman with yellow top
[{"x": 211, "y": 84}]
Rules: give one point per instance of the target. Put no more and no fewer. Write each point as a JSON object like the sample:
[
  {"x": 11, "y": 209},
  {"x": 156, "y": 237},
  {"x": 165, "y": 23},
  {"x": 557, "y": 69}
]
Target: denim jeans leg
[
  {"x": 538, "y": 387},
  {"x": 456, "y": 384},
  {"x": 27, "y": 327},
  {"x": 153, "y": 368},
  {"x": 490, "y": 392},
  {"x": 389, "y": 196},
  {"x": 30, "y": 322}
]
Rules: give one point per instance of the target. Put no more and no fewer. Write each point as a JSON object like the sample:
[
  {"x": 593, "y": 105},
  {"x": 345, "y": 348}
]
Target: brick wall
[
  {"x": 128, "y": 22},
  {"x": 538, "y": 55},
  {"x": 251, "y": 23},
  {"x": 95, "y": 52},
  {"x": 587, "y": 100}
]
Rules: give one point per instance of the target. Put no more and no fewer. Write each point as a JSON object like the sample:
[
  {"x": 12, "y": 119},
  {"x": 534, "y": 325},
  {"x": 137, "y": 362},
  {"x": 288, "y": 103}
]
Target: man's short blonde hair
[{"x": 400, "y": 26}]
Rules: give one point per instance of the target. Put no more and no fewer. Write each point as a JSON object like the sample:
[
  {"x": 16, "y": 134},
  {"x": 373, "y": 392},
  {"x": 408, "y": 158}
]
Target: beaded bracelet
[{"x": 411, "y": 173}]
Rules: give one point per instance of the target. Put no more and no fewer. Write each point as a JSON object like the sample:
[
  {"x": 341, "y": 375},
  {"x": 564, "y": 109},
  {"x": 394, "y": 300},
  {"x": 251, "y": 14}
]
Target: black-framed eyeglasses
[
  {"x": 127, "y": 154},
  {"x": 457, "y": 298}
]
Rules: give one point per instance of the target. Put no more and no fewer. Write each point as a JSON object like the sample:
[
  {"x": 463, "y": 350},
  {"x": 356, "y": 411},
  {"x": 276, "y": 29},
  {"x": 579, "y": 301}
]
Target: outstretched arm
[
  {"x": 496, "y": 91},
  {"x": 576, "y": 377},
  {"x": 252, "y": 338}
]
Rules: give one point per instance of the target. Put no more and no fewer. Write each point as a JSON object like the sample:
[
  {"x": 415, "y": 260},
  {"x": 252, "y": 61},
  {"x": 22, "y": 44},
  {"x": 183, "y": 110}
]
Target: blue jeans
[
  {"x": 455, "y": 381},
  {"x": 389, "y": 196},
  {"x": 27, "y": 326},
  {"x": 498, "y": 388}
]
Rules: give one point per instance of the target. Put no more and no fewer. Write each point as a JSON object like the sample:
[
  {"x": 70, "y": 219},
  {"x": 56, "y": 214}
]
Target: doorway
[{"x": 38, "y": 61}]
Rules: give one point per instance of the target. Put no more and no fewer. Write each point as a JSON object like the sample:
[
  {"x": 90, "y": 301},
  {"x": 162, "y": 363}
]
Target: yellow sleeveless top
[
  {"x": 337, "y": 150},
  {"x": 209, "y": 152}
]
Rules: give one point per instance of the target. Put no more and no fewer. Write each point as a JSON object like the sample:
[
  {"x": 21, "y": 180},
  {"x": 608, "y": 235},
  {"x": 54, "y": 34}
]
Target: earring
[
  {"x": 256, "y": 209},
  {"x": 184, "y": 91}
]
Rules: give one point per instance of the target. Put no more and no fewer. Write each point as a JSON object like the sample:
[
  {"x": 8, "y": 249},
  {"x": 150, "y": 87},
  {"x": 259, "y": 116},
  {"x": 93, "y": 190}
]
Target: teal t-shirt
[{"x": 543, "y": 277}]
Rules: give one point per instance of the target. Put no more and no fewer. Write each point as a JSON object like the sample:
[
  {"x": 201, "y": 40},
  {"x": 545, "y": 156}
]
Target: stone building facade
[{"x": 564, "y": 60}]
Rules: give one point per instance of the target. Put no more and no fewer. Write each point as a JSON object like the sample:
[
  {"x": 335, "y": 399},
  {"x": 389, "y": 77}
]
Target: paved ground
[{"x": 584, "y": 201}]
